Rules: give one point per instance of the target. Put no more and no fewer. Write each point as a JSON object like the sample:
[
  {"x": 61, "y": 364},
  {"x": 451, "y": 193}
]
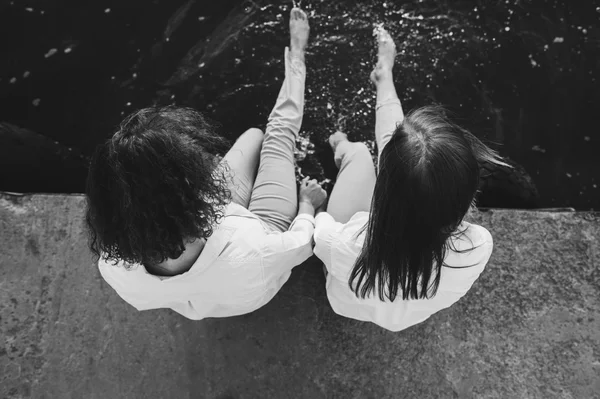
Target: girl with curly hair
[
  {"x": 399, "y": 250},
  {"x": 174, "y": 228}
]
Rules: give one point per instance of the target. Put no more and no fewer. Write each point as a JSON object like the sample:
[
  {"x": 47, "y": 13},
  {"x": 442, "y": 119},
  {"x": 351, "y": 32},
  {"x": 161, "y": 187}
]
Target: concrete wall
[{"x": 530, "y": 327}]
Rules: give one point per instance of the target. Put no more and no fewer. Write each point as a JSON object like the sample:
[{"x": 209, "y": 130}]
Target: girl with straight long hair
[{"x": 395, "y": 244}]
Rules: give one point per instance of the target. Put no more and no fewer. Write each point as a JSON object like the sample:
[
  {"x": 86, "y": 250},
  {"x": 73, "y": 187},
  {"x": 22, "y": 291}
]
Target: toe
[{"x": 296, "y": 13}]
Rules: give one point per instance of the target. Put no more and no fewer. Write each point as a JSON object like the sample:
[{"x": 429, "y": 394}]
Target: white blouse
[
  {"x": 337, "y": 247},
  {"x": 244, "y": 263},
  {"x": 242, "y": 266}
]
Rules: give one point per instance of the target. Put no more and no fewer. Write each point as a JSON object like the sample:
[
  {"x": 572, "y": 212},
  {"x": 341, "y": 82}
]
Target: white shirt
[
  {"x": 243, "y": 264},
  {"x": 241, "y": 268},
  {"x": 337, "y": 248}
]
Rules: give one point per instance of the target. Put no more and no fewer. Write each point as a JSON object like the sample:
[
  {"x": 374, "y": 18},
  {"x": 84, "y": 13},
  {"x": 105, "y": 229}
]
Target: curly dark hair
[{"x": 155, "y": 184}]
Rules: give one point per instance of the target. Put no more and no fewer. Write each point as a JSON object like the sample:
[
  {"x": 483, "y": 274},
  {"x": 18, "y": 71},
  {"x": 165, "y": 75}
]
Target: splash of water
[{"x": 304, "y": 147}]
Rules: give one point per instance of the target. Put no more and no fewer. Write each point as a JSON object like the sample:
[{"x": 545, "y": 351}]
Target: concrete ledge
[{"x": 528, "y": 329}]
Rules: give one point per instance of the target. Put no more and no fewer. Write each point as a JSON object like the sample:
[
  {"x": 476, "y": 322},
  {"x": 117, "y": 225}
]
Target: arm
[
  {"x": 286, "y": 250},
  {"x": 305, "y": 207},
  {"x": 289, "y": 249},
  {"x": 326, "y": 229}
]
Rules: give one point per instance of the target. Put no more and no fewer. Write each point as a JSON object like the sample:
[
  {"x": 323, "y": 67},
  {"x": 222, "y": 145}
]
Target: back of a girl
[{"x": 399, "y": 249}]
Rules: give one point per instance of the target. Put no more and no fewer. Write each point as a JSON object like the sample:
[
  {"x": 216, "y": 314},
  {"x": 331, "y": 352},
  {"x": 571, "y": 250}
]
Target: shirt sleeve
[
  {"x": 326, "y": 230},
  {"x": 289, "y": 249}
]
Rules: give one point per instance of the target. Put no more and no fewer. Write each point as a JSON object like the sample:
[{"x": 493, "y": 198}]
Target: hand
[
  {"x": 322, "y": 208},
  {"x": 312, "y": 193}
]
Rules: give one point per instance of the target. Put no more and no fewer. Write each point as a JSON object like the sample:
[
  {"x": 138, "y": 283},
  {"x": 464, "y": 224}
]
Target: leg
[
  {"x": 274, "y": 197},
  {"x": 355, "y": 182},
  {"x": 388, "y": 111},
  {"x": 242, "y": 160}
]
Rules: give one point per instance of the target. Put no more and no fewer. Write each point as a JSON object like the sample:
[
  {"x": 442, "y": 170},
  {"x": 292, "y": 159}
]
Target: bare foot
[
  {"x": 385, "y": 57},
  {"x": 336, "y": 139},
  {"x": 299, "y": 30}
]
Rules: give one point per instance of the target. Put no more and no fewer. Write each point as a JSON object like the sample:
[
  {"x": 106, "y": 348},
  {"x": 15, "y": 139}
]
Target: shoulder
[
  {"x": 358, "y": 221},
  {"x": 480, "y": 234},
  {"x": 115, "y": 273},
  {"x": 473, "y": 235},
  {"x": 233, "y": 209},
  {"x": 238, "y": 218},
  {"x": 472, "y": 246},
  {"x": 352, "y": 227},
  {"x": 352, "y": 233}
]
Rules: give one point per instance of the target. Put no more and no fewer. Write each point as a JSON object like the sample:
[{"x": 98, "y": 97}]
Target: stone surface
[{"x": 529, "y": 328}]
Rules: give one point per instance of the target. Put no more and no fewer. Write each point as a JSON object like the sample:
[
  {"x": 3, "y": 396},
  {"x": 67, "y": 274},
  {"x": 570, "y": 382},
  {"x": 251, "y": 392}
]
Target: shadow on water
[{"x": 523, "y": 77}]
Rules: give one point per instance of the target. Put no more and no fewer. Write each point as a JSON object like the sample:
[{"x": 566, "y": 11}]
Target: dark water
[{"x": 522, "y": 75}]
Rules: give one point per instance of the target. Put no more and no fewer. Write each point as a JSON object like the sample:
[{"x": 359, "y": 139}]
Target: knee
[
  {"x": 254, "y": 134},
  {"x": 359, "y": 146},
  {"x": 360, "y": 149},
  {"x": 351, "y": 150}
]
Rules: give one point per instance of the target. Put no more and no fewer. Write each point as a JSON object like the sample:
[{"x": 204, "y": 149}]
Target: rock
[{"x": 527, "y": 329}]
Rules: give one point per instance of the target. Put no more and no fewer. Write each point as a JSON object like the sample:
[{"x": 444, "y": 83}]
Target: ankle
[
  {"x": 297, "y": 53},
  {"x": 384, "y": 75}
]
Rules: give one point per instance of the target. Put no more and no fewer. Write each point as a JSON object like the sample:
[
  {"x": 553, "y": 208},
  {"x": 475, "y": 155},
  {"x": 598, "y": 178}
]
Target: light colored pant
[
  {"x": 263, "y": 167},
  {"x": 353, "y": 190}
]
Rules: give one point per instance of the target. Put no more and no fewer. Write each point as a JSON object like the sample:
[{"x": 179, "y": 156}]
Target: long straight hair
[{"x": 427, "y": 181}]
